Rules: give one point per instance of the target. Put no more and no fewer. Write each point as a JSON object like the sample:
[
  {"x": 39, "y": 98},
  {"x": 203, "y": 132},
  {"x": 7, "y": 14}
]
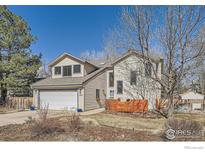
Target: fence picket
[
  {"x": 127, "y": 106},
  {"x": 20, "y": 103}
]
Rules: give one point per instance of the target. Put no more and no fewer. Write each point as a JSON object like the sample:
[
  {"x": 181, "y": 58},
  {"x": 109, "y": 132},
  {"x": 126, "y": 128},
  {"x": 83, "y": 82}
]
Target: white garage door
[
  {"x": 196, "y": 106},
  {"x": 59, "y": 100}
]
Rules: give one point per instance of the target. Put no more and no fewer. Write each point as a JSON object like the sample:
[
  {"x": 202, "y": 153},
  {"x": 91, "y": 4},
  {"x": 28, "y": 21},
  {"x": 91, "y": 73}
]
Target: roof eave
[
  {"x": 61, "y": 56},
  {"x": 131, "y": 52},
  {"x": 70, "y": 86}
]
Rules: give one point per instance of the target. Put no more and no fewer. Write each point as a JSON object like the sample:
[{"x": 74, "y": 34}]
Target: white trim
[
  {"x": 62, "y": 55},
  {"x": 108, "y": 87}
]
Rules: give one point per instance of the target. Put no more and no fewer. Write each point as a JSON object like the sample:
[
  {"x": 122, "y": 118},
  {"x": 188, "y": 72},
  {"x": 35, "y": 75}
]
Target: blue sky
[{"x": 68, "y": 28}]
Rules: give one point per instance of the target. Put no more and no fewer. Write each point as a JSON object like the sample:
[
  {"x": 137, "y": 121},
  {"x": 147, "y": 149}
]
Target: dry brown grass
[
  {"x": 127, "y": 122},
  {"x": 182, "y": 129},
  {"x": 181, "y": 124},
  {"x": 109, "y": 127},
  {"x": 141, "y": 123}
]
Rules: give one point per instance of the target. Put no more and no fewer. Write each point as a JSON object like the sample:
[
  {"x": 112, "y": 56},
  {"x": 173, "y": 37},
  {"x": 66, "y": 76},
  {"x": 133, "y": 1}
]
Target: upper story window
[
  {"x": 119, "y": 87},
  {"x": 57, "y": 70},
  {"x": 148, "y": 69},
  {"x": 67, "y": 70},
  {"x": 111, "y": 79},
  {"x": 76, "y": 68},
  {"x": 133, "y": 77}
]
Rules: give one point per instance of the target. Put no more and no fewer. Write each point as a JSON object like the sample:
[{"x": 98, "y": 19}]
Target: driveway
[
  {"x": 21, "y": 117},
  {"x": 16, "y": 117}
]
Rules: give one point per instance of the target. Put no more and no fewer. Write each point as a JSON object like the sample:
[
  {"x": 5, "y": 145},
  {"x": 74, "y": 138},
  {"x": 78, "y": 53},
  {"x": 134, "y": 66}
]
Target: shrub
[
  {"x": 44, "y": 125},
  {"x": 43, "y": 113},
  {"x": 74, "y": 122},
  {"x": 29, "y": 120}
]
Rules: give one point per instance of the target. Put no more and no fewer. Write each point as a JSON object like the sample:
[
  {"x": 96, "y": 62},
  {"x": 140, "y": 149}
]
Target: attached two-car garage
[{"x": 59, "y": 99}]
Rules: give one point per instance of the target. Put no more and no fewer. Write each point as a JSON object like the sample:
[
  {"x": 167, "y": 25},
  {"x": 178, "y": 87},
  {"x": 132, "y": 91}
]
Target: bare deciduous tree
[
  {"x": 108, "y": 53},
  {"x": 176, "y": 30}
]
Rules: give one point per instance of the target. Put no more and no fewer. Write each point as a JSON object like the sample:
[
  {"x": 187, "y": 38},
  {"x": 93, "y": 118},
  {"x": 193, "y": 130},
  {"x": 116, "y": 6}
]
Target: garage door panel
[
  {"x": 59, "y": 99},
  {"x": 196, "y": 106}
]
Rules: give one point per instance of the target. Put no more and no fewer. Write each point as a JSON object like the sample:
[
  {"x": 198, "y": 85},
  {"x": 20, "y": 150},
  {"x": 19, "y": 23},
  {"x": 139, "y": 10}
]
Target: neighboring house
[
  {"x": 75, "y": 83},
  {"x": 191, "y": 101},
  {"x": 42, "y": 73}
]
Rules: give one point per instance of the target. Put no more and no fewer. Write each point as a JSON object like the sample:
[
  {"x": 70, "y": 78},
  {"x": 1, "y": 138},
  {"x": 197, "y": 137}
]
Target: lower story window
[
  {"x": 119, "y": 87},
  {"x": 111, "y": 93}
]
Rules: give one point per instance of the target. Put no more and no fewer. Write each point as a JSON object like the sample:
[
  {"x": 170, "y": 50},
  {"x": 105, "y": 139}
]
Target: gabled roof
[
  {"x": 153, "y": 57},
  {"x": 89, "y": 76},
  {"x": 65, "y": 54},
  {"x": 55, "y": 82},
  {"x": 104, "y": 63},
  {"x": 65, "y": 81},
  {"x": 73, "y": 81}
]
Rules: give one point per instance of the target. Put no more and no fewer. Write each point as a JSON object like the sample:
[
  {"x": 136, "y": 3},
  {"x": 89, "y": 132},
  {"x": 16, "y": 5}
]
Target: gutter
[{"x": 57, "y": 86}]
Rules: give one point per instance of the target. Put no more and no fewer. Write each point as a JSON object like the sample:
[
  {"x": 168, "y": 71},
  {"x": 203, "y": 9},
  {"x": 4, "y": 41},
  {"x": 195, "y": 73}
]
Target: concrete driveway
[
  {"x": 21, "y": 117},
  {"x": 16, "y": 117}
]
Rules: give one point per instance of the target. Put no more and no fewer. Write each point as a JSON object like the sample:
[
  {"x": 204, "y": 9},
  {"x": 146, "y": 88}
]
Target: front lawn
[
  {"x": 90, "y": 131},
  {"x": 128, "y": 121},
  {"x": 99, "y": 127}
]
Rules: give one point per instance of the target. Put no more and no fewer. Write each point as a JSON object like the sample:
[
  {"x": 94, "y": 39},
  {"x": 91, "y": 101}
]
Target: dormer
[{"x": 66, "y": 65}]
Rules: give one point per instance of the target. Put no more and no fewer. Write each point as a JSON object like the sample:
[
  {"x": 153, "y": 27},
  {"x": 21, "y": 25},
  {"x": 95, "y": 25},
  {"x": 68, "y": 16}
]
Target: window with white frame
[
  {"x": 57, "y": 70},
  {"x": 77, "y": 68},
  {"x": 111, "y": 93}
]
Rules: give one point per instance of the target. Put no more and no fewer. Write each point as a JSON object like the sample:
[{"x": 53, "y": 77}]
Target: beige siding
[
  {"x": 144, "y": 88},
  {"x": 98, "y": 82},
  {"x": 81, "y": 99},
  {"x": 88, "y": 68},
  {"x": 67, "y": 61}
]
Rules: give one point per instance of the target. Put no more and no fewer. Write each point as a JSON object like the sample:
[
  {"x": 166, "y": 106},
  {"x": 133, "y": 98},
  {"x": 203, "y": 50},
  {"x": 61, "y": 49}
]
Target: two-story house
[{"x": 86, "y": 85}]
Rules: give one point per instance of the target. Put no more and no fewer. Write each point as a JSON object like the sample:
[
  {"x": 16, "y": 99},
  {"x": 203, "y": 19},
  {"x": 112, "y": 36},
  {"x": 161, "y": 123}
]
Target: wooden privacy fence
[
  {"x": 20, "y": 103},
  {"x": 127, "y": 106}
]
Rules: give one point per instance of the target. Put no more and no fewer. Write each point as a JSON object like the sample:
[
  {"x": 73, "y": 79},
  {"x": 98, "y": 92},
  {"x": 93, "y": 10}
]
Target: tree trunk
[
  {"x": 3, "y": 94},
  {"x": 171, "y": 107}
]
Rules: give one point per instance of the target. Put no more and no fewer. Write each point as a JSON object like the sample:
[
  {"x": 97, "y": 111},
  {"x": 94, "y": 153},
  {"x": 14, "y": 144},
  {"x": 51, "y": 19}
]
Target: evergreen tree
[{"x": 18, "y": 66}]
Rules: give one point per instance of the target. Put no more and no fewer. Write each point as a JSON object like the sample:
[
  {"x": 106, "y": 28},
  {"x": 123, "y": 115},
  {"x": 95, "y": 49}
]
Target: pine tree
[{"x": 18, "y": 66}]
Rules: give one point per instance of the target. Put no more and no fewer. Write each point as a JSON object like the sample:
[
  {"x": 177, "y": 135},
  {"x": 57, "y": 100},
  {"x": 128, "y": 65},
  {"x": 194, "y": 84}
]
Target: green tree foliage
[
  {"x": 18, "y": 66},
  {"x": 22, "y": 69}
]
